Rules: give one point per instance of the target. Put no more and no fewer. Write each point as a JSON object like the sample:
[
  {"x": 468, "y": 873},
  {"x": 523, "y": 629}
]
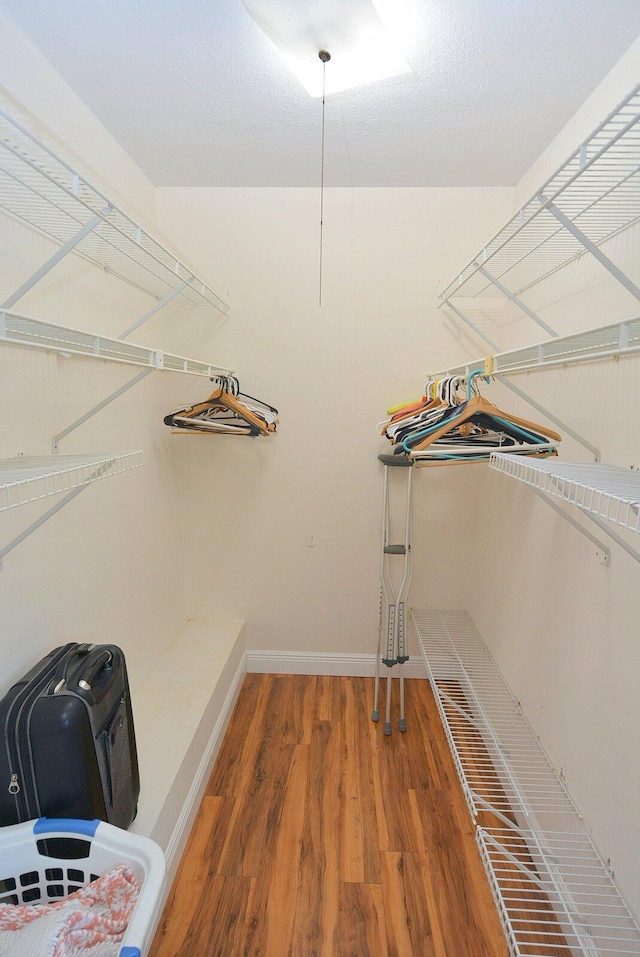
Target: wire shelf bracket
[
  {"x": 98, "y": 408},
  {"x": 551, "y": 416},
  {"x": 20, "y": 330},
  {"x": 54, "y": 260},
  {"x": 550, "y": 885},
  {"x": 518, "y": 302},
  {"x": 472, "y": 326},
  {"x": 590, "y": 247},
  {"x": 27, "y": 479},
  {"x": 151, "y": 312},
  {"x": 602, "y": 548}
]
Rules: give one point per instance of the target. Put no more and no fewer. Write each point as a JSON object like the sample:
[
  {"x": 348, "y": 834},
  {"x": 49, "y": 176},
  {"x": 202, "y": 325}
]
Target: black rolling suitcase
[{"x": 67, "y": 744}]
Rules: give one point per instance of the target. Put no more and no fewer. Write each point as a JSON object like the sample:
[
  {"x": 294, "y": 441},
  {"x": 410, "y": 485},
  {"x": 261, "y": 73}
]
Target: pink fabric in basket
[{"x": 97, "y": 914}]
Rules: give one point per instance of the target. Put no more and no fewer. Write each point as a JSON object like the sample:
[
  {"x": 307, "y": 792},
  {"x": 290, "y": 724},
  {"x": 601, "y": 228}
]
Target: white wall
[{"x": 284, "y": 531}]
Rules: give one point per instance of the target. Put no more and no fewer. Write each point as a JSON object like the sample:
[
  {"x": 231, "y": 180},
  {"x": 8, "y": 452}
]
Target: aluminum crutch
[{"x": 394, "y": 600}]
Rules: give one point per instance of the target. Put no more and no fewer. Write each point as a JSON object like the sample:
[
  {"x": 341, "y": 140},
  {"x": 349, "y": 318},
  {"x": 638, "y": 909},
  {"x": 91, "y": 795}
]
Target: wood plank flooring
[{"x": 320, "y": 837}]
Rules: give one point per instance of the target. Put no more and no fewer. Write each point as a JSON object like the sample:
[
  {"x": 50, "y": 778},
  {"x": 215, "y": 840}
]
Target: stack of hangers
[
  {"x": 454, "y": 424},
  {"x": 226, "y": 410}
]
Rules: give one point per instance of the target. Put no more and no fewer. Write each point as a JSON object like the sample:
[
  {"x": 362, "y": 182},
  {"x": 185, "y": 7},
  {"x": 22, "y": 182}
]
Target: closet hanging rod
[
  {"x": 20, "y": 330},
  {"x": 40, "y": 188},
  {"x": 608, "y": 341}
]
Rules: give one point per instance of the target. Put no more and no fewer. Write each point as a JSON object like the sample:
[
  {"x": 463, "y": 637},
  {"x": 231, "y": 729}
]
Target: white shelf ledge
[
  {"x": 41, "y": 189},
  {"x": 550, "y": 885},
  {"x": 595, "y": 190},
  {"x": 17, "y": 329},
  {"x": 606, "y": 491},
  {"x": 181, "y": 711},
  {"x": 29, "y": 478},
  {"x": 602, "y": 342}
]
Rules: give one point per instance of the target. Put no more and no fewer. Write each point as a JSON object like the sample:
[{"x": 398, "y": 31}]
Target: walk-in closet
[{"x": 385, "y": 711}]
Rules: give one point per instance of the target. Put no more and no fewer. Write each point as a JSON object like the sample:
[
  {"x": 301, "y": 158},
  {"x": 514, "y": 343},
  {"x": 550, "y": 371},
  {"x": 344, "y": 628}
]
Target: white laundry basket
[{"x": 31, "y": 872}]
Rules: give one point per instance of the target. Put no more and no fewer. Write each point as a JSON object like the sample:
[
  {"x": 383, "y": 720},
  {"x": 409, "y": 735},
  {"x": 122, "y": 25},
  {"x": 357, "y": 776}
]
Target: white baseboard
[{"x": 322, "y": 663}]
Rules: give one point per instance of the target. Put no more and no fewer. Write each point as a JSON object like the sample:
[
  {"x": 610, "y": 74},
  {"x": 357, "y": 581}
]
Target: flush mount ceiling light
[{"x": 361, "y": 50}]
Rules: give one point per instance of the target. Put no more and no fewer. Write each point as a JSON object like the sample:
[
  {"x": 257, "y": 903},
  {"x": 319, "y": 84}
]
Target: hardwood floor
[{"x": 320, "y": 837}]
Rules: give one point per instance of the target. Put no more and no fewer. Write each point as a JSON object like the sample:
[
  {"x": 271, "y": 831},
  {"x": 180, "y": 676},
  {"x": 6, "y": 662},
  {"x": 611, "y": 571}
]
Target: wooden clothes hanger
[
  {"x": 224, "y": 399},
  {"x": 468, "y": 432},
  {"x": 485, "y": 413}
]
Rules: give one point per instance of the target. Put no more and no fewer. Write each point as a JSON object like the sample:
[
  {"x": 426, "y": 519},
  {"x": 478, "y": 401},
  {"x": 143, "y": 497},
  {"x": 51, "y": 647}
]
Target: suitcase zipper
[{"x": 14, "y": 787}]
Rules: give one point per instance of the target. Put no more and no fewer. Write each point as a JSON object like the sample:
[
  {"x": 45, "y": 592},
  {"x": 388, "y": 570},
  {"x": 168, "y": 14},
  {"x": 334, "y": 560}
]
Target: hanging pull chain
[{"x": 325, "y": 57}]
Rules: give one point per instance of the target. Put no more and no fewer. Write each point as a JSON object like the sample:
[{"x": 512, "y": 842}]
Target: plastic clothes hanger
[
  {"x": 445, "y": 399},
  {"x": 440, "y": 394}
]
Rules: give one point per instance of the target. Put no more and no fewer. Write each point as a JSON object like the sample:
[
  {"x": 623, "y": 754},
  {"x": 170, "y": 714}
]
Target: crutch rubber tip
[
  {"x": 402, "y": 724},
  {"x": 387, "y": 727},
  {"x": 375, "y": 715}
]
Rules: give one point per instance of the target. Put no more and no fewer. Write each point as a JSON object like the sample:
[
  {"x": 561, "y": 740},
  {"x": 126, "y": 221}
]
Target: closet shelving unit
[
  {"x": 607, "y": 491},
  {"x": 590, "y": 199},
  {"x": 553, "y": 892},
  {"x": 43, "y": 191},
  {"x": 616, "y": 339}
]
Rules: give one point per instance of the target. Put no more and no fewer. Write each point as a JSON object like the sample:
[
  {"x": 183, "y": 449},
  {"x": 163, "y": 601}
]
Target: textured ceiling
[{"x": 198, "y": 96}]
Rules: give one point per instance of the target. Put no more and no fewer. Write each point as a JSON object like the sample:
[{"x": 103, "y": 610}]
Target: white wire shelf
[
  {"x": 26, "y": 331},
  {"x": 484, "y": 724},
  {"x": 27, "y": 479},
  {"x": 597, "y": 189},
  {"x": 553, "y": 892},
  {"x": 42, "y": 190},
  {"x": 606, "y": 491},
  {"x": 572, "y": 908},
  {"x": 613, "y": 339}
]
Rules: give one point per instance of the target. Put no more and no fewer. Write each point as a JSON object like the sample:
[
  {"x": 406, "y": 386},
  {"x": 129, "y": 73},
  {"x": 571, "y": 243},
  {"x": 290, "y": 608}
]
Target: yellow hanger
[{"x": 403, "y": 405}]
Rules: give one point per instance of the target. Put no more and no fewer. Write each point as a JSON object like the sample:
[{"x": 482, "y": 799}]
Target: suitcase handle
[
  {"x": 62, "y": 671},
  {"x": 104, "y": 659}
]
